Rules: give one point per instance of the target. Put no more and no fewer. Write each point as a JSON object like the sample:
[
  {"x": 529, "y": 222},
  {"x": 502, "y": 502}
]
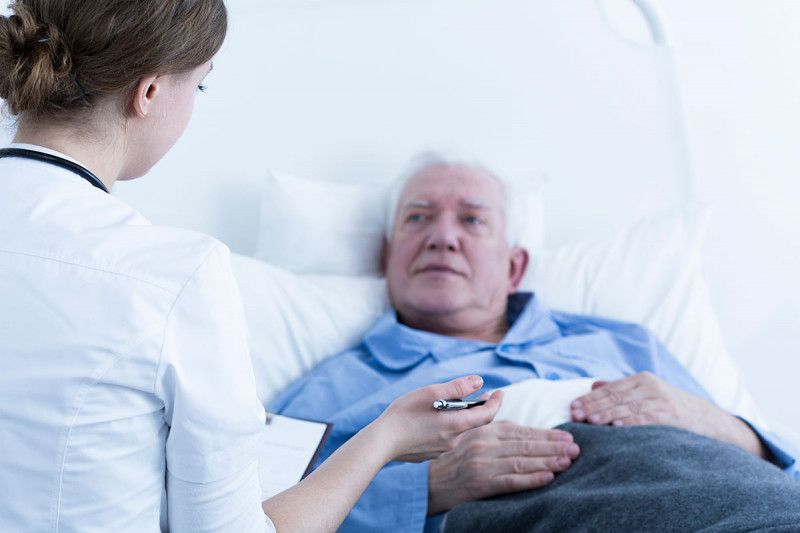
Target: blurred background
[{"x": 739, "y": 79}]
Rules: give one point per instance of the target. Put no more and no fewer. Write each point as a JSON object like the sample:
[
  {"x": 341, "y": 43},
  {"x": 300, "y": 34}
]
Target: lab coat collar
[{"x": 37, "y": 148}]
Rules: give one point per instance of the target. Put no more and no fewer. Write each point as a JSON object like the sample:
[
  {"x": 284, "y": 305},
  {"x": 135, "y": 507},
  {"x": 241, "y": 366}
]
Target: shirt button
[{"x": 552, "y": 376}]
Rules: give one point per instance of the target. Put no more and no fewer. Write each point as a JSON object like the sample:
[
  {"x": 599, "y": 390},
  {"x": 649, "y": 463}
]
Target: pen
[{"x": 439, "y": 405}]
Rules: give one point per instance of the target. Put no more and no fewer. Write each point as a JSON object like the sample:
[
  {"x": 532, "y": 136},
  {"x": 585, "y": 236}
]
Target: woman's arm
[{"x": 409, "y": 430}]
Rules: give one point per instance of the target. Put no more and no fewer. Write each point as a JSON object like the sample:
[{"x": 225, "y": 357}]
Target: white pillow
[
  {"x": 318, "y": 227},
  {"x": 649, "y": 273},
  {"x": 298, "y": 320}
]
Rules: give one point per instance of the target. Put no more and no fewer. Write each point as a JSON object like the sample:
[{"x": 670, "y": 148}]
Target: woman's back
[{"x": 101, "y": 316}]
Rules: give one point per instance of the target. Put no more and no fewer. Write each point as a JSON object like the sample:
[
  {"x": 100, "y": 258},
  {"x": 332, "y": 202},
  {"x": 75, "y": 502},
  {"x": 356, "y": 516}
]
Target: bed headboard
[{"x": 542, "y": 92}]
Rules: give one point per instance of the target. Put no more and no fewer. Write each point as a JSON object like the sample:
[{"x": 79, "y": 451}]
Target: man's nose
[{"x": 444, "y": 235}]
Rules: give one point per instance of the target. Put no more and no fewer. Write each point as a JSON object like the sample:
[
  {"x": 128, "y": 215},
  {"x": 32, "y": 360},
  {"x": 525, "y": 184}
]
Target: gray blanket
[{"x": 645, "y": 479}]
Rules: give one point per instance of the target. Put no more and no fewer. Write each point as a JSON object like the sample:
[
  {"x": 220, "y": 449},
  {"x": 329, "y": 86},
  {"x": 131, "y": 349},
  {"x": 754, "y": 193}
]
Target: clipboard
[{"x": 290, "y": 449}]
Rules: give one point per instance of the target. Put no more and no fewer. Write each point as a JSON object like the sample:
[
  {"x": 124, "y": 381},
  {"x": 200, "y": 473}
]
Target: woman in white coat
[{"x": 124, "y": 365}]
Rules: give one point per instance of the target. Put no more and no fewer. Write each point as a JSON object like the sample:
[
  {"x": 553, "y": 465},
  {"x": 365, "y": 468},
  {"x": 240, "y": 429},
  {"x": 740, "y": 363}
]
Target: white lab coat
[{"x": 123, "y": 363}]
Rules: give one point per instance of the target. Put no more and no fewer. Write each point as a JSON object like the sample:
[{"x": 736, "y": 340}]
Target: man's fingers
[
  {"x": 509, "y": 482},
  {"x": 519, "y": 441},
  {"x": 631, "y": 389},
  {"x": 645, "y": 410},
  {"x": 632, "y": 399},
  {"x": 510, "y": 431},
  {"x": 641, "y": 399},
  {"x": 506, "y": 439},
  {"x": 514, "y": 440},
  {"x": 529, "y": 465},
  {"x": 610, "y": 394},
  {"x": 532, "y": 448},
  {"x": 521, "y": 473},
  {"x": 518, "y": 482}
]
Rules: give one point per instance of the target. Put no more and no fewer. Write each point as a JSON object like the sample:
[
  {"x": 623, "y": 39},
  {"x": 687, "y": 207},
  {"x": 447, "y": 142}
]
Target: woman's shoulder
[
  {"x": 82, "y": 228},
  {"x": 163, "y": 256}
]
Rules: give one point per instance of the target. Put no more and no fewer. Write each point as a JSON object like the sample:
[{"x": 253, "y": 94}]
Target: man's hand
[
  {"x": 644, "y": 399},
  {"x": 495, "y": 459}
]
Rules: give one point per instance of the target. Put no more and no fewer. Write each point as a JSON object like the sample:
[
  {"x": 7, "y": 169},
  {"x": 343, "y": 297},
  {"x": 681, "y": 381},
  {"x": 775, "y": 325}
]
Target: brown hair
[{"x": 60, "y": 57}]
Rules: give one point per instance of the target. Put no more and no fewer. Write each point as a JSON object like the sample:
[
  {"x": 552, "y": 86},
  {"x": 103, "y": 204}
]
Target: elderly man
[{"x": 452, "y": 277}]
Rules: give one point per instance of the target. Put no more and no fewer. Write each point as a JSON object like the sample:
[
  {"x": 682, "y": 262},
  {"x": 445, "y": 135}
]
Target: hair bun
[
  {"x": 35, "y": 62},
  {"x": 59, "y": 59}
]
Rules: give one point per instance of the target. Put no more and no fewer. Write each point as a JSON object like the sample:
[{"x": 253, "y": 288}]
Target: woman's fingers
[{"x": 428, "y": 432}]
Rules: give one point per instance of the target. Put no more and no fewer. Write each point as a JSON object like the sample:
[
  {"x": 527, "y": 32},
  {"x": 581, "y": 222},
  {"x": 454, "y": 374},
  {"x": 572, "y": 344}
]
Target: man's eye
[
  {"x": 473, "y": 220},
  {"x": 415, "y": 217}
]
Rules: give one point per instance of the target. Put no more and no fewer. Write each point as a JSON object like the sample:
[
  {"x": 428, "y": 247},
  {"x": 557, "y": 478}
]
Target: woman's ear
[
  {"x": 518, "y": 265},
  {"x": 145, "y": 92}
]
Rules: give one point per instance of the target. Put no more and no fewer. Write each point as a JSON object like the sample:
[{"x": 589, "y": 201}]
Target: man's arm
[
  {"x": 684, "y": 403},
  {"x": 644, "y": 399}
]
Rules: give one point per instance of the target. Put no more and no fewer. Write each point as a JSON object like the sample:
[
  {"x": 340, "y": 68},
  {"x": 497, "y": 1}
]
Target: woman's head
[{"x": 61, "y": 59}]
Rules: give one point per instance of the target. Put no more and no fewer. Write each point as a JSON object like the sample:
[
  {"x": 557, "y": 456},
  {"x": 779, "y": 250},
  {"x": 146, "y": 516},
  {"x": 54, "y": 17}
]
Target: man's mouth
[{"x": 437, "y": 268}]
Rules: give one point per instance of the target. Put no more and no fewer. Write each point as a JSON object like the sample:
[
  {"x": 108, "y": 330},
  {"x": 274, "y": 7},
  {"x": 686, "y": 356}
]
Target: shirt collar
[
  {"x": 398, "y": 347},
  {"x": 531, "y": 321}
]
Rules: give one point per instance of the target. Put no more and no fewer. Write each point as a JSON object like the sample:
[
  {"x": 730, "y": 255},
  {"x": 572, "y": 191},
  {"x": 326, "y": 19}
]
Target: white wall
[{"x": 739, "y": 70}]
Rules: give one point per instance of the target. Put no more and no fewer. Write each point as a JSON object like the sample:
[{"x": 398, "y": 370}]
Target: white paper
[{"x": 288, "y": 447}]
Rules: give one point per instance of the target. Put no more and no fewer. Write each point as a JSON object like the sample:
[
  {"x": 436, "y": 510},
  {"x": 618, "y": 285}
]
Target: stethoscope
[{"x": 54, "y": 160}]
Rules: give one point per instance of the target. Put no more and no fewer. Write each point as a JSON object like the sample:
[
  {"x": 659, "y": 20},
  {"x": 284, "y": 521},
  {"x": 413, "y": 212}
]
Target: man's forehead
[
  {"x": 462, "y": 185},
  {"x": 469, "y": 203}
]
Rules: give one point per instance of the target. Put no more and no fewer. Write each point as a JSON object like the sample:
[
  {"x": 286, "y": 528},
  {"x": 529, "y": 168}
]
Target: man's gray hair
[{"x": 426, "y": 160}]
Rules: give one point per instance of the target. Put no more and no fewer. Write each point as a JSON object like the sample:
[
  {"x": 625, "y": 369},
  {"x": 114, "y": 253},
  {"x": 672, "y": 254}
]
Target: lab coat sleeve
[
  {"x": 210, "y": 507},
  {"x": 206, "y": 382}
]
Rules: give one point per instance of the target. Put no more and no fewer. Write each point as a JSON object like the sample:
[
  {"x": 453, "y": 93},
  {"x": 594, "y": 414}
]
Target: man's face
[{"x": 448, "y": 263}]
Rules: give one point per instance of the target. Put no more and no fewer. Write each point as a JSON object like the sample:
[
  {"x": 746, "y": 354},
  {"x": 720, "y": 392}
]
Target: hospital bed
[{"x": 314, "y": 106}]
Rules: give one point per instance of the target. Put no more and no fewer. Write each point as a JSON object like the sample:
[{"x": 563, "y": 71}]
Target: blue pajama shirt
[{"x": 353, "y": 388}]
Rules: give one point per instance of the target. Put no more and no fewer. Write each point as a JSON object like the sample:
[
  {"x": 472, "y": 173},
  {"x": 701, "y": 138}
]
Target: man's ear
[
  {"x": 384, "y": 255},
  {"x": 518, "y": 265},
  {"x": 145, "y": 92}
]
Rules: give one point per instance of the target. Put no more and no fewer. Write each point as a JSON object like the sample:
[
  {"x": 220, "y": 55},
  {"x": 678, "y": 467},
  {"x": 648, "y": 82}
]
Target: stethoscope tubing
[{"x": 60, "y": 162}]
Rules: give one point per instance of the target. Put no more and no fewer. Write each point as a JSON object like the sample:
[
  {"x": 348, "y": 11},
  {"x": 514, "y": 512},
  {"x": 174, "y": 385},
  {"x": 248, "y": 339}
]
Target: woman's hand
[
  {"x": 410, "y": 429},
  {"x": 419, "y": 432}
]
